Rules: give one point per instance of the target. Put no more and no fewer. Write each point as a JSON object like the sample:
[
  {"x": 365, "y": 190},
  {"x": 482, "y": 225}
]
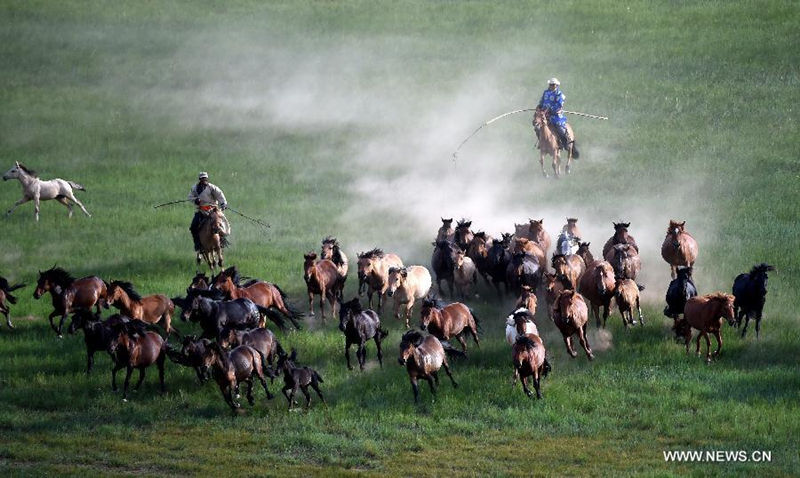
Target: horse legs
[
  {"x": 757, "y": 319},
  {"x": 746, "y": 322},
  {"x": 378, "y": 346},
  {"x": 524, "y": 380},
  {"x": 639, "y": 310},
  {"x": 447, "y": 371},
  {"x": 322, "y": 302},
  {"x": 718, "y": 336},
  {"x": 473, "y": 330},
  {"x": 557, "y": 163},
  {"x": 315, "y": 386},
  {"x": 89, "y": 361},
  {"x": 409, "y": 308},
  {"x": 264, "y": 384},
  {"x": 308, "y": 396},
  {"x": 541, "y": 163},
  {"x": 310, "y": 304},
  {"x": 568, "y": 341},
  {"x": 584, "y": 342},
  {"x": 595, "y": 312},
  {"x": 141, "y": 379},
  {"x": 21, "y": 201},
  {"x": 606, "y": 308},
  {"x": 160, "y": 365},
  {"x": 429, "y": 379},
  {"x": 72, "y": 198},
  {"x": 250, "y": 398},
  {"x": 36, "y": 206},
  {"x": 8, "y": 318},
  {"x": 128, "y": 373},
  {"x": 347, "y": 345},
  {"x": 361, "y": 354},
  {"x": 63, "y": 200},
  {"x": 708, "y": 347},
  {"x": 462, "y": 342}
]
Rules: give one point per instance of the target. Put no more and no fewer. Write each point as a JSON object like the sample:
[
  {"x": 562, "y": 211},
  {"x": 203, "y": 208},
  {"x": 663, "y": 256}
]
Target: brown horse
[
  {"x": 572, "y": 267},
  {"x": 625, "y": 260},
  {"x": 553, "y": 287},
  {"x": 620, "y": 236},
  {"x": 231, "y": 368},
  {"x": 571, "y": 315},
  {"x": 446, "y": 232},
  {"x": 705, "y": 313},
  {"x": 528, "y": 355},
  {"x": 332, "y": 250},
  {"x": 527, "y": 299},
  {"x": 69, "y": 294},
  {"x": 598, "y": 285},
  {"x": 446, "y": 321},
  {"x": 423, "y": 356},
  {"x": 262, "y": 293},
  {"x": 538, "y": 234},
  {"x": 549, "y": 145},
  {"x": 584, "y": 253},
  {"x": 200, "y": 281},
  {"x": 463, "y": 235},
  {"x": 133, "y": 348},
  {"x": 5, "y": 295},
  {"x": 322, "y": 279},
  {"x": 530, "y": 247},
  {"x": 151, "y": 309},
  {"x": 626, "y": 295},
  {"x": 211, "y": 242},
  {"x": 373, "y": 272},
  {"x": 679, "y": 248},
  {"x": 478, "y": 251}
]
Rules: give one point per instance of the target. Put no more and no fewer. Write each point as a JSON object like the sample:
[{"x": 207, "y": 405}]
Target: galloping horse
[
  {"x": 679, "y": 248},
  {"x": 620, "y": 236},
  {"x": 332, "y": 250},
  {"x": 705, "y": 313},
  {"x": 528, "y": 356},
  {"x": 69, "y": 294},
  {"x": 446, "y": 321},
  {"x": 625, "y": 260},
  {"x": 359, "y": 326},
  {"x": 463, "y": 235},
  {"x": 262, "y": 293},
  {"x": 750, "y": 291},
  {"x": 151, "y": 309},
  {"x": 548, "y": 144},
  {"x": 322, "y": 279},
  {"x": 37, "y": 190},
  {"x": 373, "y": 272},
  {"x": 423, "y": 356},
  {"x": 211, "y": 243}
]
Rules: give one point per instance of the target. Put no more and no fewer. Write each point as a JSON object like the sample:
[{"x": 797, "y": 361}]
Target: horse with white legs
[{"x": 36, "y": 190}]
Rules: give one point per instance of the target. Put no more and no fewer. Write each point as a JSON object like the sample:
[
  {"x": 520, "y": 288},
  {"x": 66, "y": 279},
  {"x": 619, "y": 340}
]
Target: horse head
[
  {"x": 408, "y": 345},
  {"x": 539, "y": 118},
  {"x": 604, "y": 279},
  {"x": 397, "y": 277},
  {"x": 346, "y": 312}
]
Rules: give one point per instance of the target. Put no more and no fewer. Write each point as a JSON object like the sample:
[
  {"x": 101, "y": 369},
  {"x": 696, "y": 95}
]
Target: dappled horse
[
  {"x": 69, "y": 294},
  {"x": 750, "y": 291},
  {"x": 451, "y": 320},
  {"x": 705, "y": 313},
  {"x": 679, "y": 248},
  {"x": 406, "y": 286},
  {"x": 151, "y": 309},
  {"x": 298, "y": 378},
  {"x": 211, "y": 242},
  {"x": 571, "y": 315},
  {"x": 333, "y": 251},
  {"x": 423, "y": 356},
  {"x": 443, "y": 264},
  {"x": 620, "y": 236},
  {"x": 528, "y": 356},
  {"x": 373, "y": 273},
  {"x": 597, "y": 285},
  {"x": 549, "y": 144},
  {"x": 322, "y": 279},
  {"x": 625, "y": 260},
  {"x": 262, "y": 293},
  {"x": 359, "y": 326},
  {"x": 133, "y": 348},
  {"x": 5, "y": 295},
  {"x": 36, "y": 190}
]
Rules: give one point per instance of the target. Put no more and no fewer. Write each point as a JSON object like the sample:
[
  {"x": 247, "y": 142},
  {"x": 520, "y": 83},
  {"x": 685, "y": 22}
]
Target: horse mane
[
  {"x": 525, "y": 341},
  {"x": 480, "y": 235},
  {"x": 762, "y": 268},
  {"x": 59, "y": 276},
  {"x": 354, "y": 305},
  {"x": 331, "y": 240},
  {"x": 28, "y": 170},
  {"x": 434, "y": 302},
  {"x": 128, "y": 288},
  {"x": 721, "y": 296},
  {"x": 412, "y": 336},
  {"x": 673, "y": 224},
  {"x": 233, "y": 273},
  {"x": 373, "y": 254},
  {"x": 463, "y": 223}
]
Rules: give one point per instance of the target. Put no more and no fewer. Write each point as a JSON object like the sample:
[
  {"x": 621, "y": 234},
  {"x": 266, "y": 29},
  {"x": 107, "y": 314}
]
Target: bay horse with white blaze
[
  {"x": 36, "y": 190},
  {"x": 679, "y": 248}
]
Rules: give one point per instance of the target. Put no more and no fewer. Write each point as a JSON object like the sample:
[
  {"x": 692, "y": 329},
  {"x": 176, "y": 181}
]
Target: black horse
[
  {"x": 498, "y": 260},
  {"x": 97, "y": 333},
  {"x": 524, "y": 269},
  {"x": 298, "y": 378},
  {"x": 680, "y": 290},
  {"x": 215, "y": 315},
  {"x": 443, "y": 264},
  {"x": 358, "y": 326},
  {"x": 194, "y": 353},
  {"x": 750, "y": 291}
]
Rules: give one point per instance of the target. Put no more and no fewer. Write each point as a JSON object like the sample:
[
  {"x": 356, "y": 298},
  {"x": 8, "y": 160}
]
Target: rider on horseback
[
  {"x": 206, "y": 197},
  {"x": 553, "y": 102}
]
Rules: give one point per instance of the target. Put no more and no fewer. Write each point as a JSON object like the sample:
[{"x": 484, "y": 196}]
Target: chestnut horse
[
  {"x": 5, "y": 294},
  {"x": 132, "y": 349},
  {"x": 549, "y": 144},
  {"x": 446, "y": 321},
  {"x": 620, "y": 236},
  {"x": 597, "y": 285},
  {"x": 538, "y": 234},
  {"x": 552, "y": 286},
  {"x": 528, "y": 355},
  {"x": 373, "y": 272},
  {"x": 705, "y": 313},
  {"x": 571, "y": 315},
  {"x": 530, "y": 247},
  {"x": 265, "y": 294},
  {"x": 679, "y": 248},
  {"x": 211, "y": 242},
  {"x": 423, "y": 356},
  {"x": 526, "y": 299},
  {"x": 625, "y": 260},
  {"x": 151, "y": 309},
  {"x": 322, "y": 278},
  {"x": 572, "y": 267},
  {"x": 69, "y": 294}
]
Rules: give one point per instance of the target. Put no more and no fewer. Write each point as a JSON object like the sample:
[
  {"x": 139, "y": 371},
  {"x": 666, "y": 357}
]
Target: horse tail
[
  {"x": 450, "y": 351},
  {"x": 382, "y": 333},
  {"x": 546, "y": 368},
  {"x": 273, "y": 316},
  {"x": 8, "y": 291},
  {"x": 475, "y": 320},
  {"x": 264, "y": 369},
  {"x": 575, "y": 153},
  {"x": 76, "y": 186},
  {"x": 317, "y": 376}
]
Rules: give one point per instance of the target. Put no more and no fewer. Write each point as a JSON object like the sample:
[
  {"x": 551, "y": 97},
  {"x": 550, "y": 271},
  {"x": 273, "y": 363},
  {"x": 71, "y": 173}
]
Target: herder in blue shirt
[{"x": 553, "y": 101}]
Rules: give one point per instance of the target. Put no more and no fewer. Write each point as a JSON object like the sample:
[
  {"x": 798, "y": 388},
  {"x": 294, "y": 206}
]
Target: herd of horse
[{"x": 235, "y": 345}]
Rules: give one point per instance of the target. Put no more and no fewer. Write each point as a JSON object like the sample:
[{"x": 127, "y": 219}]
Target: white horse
[{"x": 37, "y": 190}]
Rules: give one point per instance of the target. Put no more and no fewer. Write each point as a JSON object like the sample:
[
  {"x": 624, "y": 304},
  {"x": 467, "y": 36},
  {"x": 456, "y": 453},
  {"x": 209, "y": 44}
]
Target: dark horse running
[
  {"x": 750, "y": 291},
  {"x": 69, "y": 294}
]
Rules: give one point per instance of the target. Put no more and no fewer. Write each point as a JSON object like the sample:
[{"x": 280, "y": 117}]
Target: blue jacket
[{"x": 553, "y": 102}]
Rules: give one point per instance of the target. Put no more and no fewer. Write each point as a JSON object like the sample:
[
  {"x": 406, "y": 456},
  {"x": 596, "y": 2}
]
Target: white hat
[
  {"x": 202, "y": 175},
  {"x": 553, "y": 81}
]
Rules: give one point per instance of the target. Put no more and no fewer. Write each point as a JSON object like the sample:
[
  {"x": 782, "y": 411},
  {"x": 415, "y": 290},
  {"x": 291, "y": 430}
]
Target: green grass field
[{"x": 340, "y": 118}]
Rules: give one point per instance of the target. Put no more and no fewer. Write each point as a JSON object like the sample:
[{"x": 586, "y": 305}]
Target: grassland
[{"x": 317, "y": 117}]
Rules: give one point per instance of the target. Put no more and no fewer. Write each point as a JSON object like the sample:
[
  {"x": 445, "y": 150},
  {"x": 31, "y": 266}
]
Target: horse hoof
[
  {"x": 60, "y": 336},
  {"x": 568, "y": 170},
  {"x": 545, "y": 175},
  {"x": 591, "y": 356},
  {"x": 124, "y": 400}
]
